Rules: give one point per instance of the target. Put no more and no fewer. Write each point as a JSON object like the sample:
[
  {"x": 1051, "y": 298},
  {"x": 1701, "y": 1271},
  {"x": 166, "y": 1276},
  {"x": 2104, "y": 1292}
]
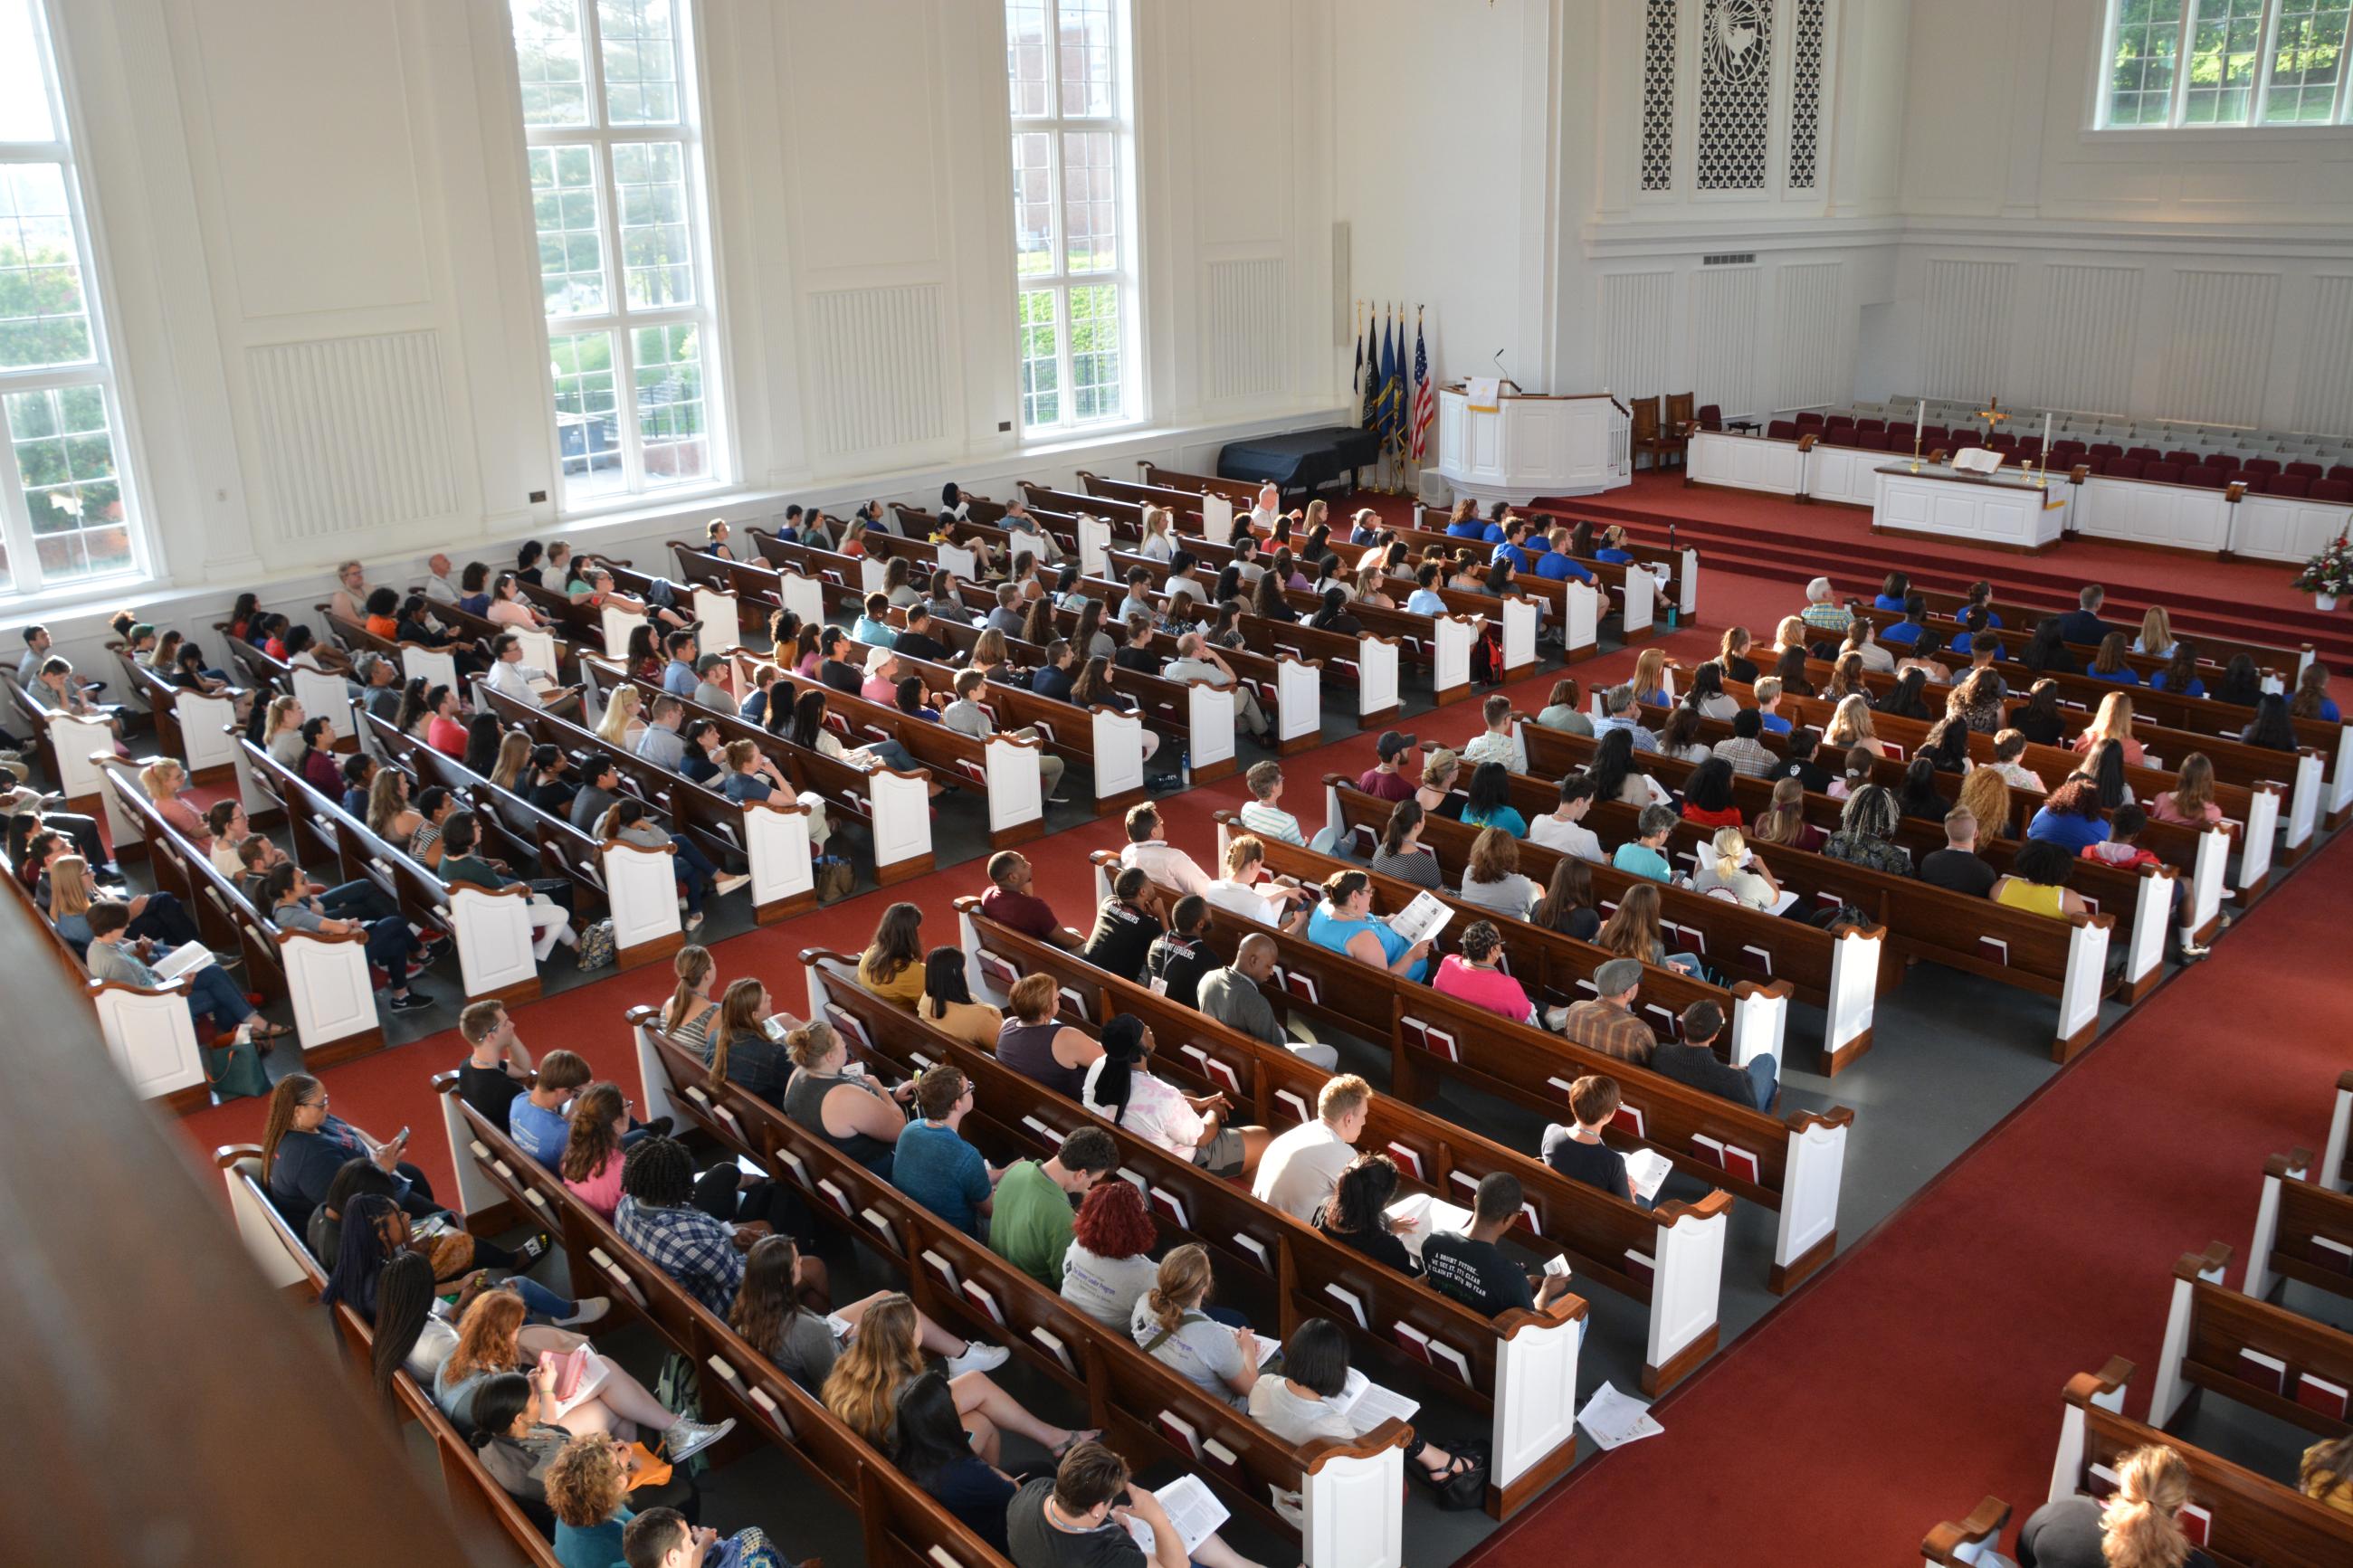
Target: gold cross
[{"x": 1992, "y": 414}]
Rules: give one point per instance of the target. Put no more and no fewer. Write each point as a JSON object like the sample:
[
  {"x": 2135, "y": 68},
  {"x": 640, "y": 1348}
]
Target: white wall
[{"x": 315, "y": 222}]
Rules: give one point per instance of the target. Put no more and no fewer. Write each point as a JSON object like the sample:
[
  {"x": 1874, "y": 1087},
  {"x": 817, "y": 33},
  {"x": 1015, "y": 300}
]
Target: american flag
[{"x": 1425, "y": 399}]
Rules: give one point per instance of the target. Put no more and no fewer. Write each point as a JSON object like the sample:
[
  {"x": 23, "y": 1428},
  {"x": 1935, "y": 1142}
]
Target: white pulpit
[
  {"x": 1527, "y": 447},
  {"x": 2007, "y": 510}
]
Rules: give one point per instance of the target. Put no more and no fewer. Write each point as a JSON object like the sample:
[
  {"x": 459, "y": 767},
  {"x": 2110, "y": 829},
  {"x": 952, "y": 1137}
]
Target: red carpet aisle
[
  {"x": 1923, "y": 1371},
  {"x": 391, "y": 1089}
]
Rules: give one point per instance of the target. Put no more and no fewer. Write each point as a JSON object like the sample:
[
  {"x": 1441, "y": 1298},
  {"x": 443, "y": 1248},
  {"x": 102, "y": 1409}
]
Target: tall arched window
[
  {"x": 613, "y": 124},
  {"x": 1073, "y": 210},
  {"x": 68, "y": 512}
]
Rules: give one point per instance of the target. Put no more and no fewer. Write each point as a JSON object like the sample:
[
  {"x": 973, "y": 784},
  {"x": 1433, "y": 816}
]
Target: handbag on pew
[{"x": 834, "y": 878}]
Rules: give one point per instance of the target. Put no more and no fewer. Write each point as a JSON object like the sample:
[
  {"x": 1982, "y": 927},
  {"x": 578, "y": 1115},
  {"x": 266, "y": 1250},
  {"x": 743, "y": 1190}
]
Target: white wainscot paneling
[
  {"x": 2282, "y": 527},
  {"x": 2222, "y": 358},
  {"x": 1724, "y": 336},
  {"x": 1844, "y": 474},
  {"x": 2324, "y": 399},
  {"x": 1634, "y": 333},
  {"x": 1806, "y": 298},
  {"x": 876, "y": 374},
  {"x": 2180, "y": 515},
  {"x": 1747, "y": 462},
  {"x": 2087, "y": 345},
  {"x": 1242, "y": 354},
  {"x": 352, "y": 432},
  {"x": 1965, "y": 327}
]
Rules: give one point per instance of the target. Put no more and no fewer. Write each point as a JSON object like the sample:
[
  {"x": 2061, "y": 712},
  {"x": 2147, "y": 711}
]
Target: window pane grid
[
  {"x": 65, "y": 505},
  {"x": 1069, "y": 150},
  {"x": 619, "y": 251},
  {"x": 2216, "y": 63},
  {"x": 550, "y": 59}
]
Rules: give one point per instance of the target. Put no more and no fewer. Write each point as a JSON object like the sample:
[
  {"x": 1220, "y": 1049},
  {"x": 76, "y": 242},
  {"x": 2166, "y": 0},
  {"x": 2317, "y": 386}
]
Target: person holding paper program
[
  {"x": 1345, "y": 922},
  {"x": 1299, "y": 1407},
  {"x": 1088, "y": 1516}
]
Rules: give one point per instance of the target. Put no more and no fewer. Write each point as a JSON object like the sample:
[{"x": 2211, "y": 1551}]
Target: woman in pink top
[
  {"x": 2191, "y": 798},
  {"x": 508, "y": 607},
  {"x": 2112, "y": 722},
  {"x": 591, "y": 1166},
  {"x": 1471, "y": 976}
]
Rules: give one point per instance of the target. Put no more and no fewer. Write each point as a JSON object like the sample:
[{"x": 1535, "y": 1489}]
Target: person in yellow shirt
[{"x": 893, "y": 966}]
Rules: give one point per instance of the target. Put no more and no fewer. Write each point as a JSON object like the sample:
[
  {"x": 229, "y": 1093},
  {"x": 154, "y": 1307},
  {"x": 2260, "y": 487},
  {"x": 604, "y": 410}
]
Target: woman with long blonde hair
[
  {"x": 2156, "y": 637},
  {"x": 1850, "y": 727},
  {"x": 389, "y": 816},
  {"x": 2114, "y": 721},
  {"x": 2191, "y": 798},
  {"x": 2137, "y": 1527},
  {"x": 1984, "y": 795},
  {"x": 1172, "y": 1323},
  {"x": 621, "y": 717},
  {"x": 514, "y": 754},
  {"x": 688, "y": 1015},
  {"x": 887, "y": 1355},
  {"x": 1633, "y": 931},
  {"x": 1653, "y": 682},
  {"x": 1783, "y": 820},
  {"x": 1790, "y": 634}
]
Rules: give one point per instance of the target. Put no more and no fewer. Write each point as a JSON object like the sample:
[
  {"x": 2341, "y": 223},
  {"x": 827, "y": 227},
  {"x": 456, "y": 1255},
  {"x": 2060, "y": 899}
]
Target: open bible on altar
[{"x": 1976, "y": 460}]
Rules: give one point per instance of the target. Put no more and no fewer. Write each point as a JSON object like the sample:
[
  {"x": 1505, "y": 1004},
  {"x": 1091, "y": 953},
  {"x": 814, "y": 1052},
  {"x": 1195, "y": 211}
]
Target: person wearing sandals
[{"x": 1296, "y": 1406}]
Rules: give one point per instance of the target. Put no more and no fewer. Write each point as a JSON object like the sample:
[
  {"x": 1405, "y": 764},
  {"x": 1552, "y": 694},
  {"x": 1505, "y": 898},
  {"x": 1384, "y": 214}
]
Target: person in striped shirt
[{"x": 1261, "y": 815}]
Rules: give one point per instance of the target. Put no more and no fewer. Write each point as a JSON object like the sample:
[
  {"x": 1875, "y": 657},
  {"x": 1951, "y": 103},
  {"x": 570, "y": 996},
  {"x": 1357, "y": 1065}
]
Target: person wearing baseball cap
[
  {"x": 1386, "y": 781},
  {"x": 1607, "y": 1023}
]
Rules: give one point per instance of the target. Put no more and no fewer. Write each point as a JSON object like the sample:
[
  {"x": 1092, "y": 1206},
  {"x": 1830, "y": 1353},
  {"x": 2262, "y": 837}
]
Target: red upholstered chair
[
  {"x": 2341, "y": 471},
  {"x": 2102, "y": 451},
  {"x": 1810, "y": 417},
  {"x": 1840, "y": 422},
  {"x": 2296, "y": 485},
  {"x": 2146, "y": 453},
  {"x": 2206, "y": 476},
  {"x": 1711, "y": 416},
  {"x": 1781, "y": 430},
  {"x": 2030, "y": 450},
  {"x": 1935, "y": 436},
  {"x": 2309, "y": 470},
  {"x": 2161, "y": 473},
  {"x": 1871, "y": 424},
  {"x": 2188, "y": 459},
  {"x": 2121, "y": 468},
  {"x": 2336, "y": 492},
  {"x": 2060, "y": 448},
  {"x": 2260, "y": 467},
  {"x": 1883, "y": 441},
  {"x": 2226, "y": 461}
]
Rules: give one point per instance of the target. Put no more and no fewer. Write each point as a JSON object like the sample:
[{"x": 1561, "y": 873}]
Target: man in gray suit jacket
[{"x": 1232, "y": 997}]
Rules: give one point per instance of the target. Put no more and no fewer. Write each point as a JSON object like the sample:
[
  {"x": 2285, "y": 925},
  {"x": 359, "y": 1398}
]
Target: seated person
[
  {"x": 211, "y": 993},
  {"x": 1030, "y": 1225},
  {"x": 1084, "y": 1514},
  {"x": 1109, "y": 1264},
  {"x": 2139, "y": 1523},
  {"x": 1356, "y": 1214},
  {"x": 1473, "y": 1270},
  {"x": 887, "y": 1353},
  {"x": 1125, "y": 927},
  {"x": 1645, "y": 854},
  {"x": 1261, "y": 814},
  {"x": 931, "y": 1163},
  {"x": 1475, "y": 975},
  {"x": 1217, "y": 1352},
  {"x": 893, "y": 964},
  {"x": 1180, "y": 955},
  {"x": 932, "y": 1449},
  {"x": 1693, "y": 1060},
  {"x": 1297, "y": 1406},
  {"x": 772, "y": 1314},
  {"x": 1576, "y": 1150},
  {"x": 489, "y": 1345},
  {"x": 1010, "y": 901},
  {"x": 1037, "y": 1044},
  {"x": 1121, "y": 1086},
  {"x": 1345, "y": 922}
]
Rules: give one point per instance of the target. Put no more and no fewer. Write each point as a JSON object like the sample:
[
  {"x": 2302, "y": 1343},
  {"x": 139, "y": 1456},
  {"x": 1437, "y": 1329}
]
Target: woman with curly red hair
[{"x": 1109, "y": 1265}]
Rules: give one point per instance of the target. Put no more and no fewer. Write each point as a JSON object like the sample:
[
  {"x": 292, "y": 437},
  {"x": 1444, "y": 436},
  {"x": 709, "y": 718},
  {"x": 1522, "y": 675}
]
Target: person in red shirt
[
  {"x": 445, "y": 733},
  {"x": 1470, "y": 975},
  {"x": 1707, "y": 796},
  {"x": 1386, "y": 781},
  {"x": 1009, "y": 903}
]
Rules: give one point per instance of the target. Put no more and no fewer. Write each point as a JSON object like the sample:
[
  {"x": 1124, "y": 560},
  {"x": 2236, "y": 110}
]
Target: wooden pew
[
  {"x": 895, "y": 806},
  {"x": 2304, "y": 1231},
  {"x": 492, "y": 928},
  {"x": 1519, "y": 1367},
  {"x": 65, "y": 744},
  {"x": 1841, "y": 975},
  {"x": 2063, "y": 958},
  {"x": 1369, "y": 661},
  {"x": 1243, "y": 494},
  {"x": 2210, "y": 1333},
  {"x": 2018, "y": 621},
  {"x": 475, "y": 1498},
  {"x": 1680, "y": 587},
  {"x": 1792, "y": 1164},
  {"x": 2253, "y": 1518},
  {"x": 190, "y": 725},
  {"x": 1967, "y": 1542},
  {"x": 326, "y": 978},
  {"x": 2336, "y": 1152}
]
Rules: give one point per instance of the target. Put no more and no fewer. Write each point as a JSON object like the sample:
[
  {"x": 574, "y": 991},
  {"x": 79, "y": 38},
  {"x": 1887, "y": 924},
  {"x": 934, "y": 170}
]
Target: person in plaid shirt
[{"x": 688, "y": 1244}]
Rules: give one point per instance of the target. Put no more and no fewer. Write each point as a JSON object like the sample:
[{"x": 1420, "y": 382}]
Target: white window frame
[
  {"x": 2341, "y": 113},
  {"x": 1121, "y": 127},
  {"x": 25, "y": 585},
  {"x": 619, "y": 320}
]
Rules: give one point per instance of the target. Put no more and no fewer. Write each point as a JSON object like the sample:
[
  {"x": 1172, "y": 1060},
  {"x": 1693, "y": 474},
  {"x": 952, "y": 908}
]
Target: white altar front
[{"x": 2004, "y": 509}]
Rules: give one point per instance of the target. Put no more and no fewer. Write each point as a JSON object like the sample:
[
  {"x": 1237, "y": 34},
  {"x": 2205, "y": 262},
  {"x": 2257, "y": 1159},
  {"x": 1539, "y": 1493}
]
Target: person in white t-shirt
[
  {"x": 1496, "y": 744},
  {"x": 1562, "y": 828},
  {"x": 1247, "y": 889},
  {"x": 1148, "y": 847},
  {"x": 1300, "y": 1168}
]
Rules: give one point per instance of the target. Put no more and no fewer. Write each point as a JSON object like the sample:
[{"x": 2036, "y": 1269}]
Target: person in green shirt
[
  {"x": 1030, "y": 1227},
  {"x": 461, "y": 862}
]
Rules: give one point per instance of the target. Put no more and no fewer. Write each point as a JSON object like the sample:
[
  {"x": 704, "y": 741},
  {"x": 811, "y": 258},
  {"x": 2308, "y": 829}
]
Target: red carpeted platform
[{"x": 1923, "y": 1371}]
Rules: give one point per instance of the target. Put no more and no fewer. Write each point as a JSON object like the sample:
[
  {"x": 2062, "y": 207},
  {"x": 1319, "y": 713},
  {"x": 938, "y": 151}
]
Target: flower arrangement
[{"x": 2330, "y": 572}]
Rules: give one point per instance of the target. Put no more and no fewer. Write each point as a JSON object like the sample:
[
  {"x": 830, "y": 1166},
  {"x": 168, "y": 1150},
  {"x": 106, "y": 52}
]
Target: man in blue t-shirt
[
  {"x": 933, "y": 1165},
  {"x": 538, "y": 1122}
]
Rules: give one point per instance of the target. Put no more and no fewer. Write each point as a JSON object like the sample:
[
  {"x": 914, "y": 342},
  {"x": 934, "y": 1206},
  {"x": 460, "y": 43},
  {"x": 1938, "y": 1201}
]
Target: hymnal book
[
  {"x": 2195, "y": 1522},
  {"x": 1180, "y": 1432},
  {"x": 1193, "y": 1511},
  {"x": 1289, "y": 1100},
  {"x": 792, "y": 1162},
  {"x": 1430, "y": 1215},
  {"x": 1173, "y": 1206},
  {"x": 1763, "y": 957},
  {"x": 835, "y": 1195},
  {"x": 1256, "y": 1248},
  {"x": 1040, "y": 1127},
  {"x": 2265, "y": 1371},
  {"x": 979, "y": 1295},
  {"x": 1998, "y": 949},
  {"x": 1368, "y": 1402},
  {"x": 578, "y": 1374},
  {"x": 1707, "y": 1149},
  {"x": 1739, "y": 1161},
  {"x": 185, "y": 959},
  {"x": 1639, "y": 1266},
  {"x": 2328, "y": 1252},
  {"x": 1407, "y": 1161},
  {"x": 1646, "y": 1172},
  {"x": 1222, "y": 1073},
  {"x": 1349, "y": 1299},
  {"x": 1562, "y": 1084},
  {"x": 2100, "y": 1481},
  {"x": 1142, "y": 1188},
  {"x": 881, "y": 1227},
  {"x": 1218, "y": 1454},
  {"x": 1628, "y": 1120},
  {"x": 2319, "y": 1394},
  {"x": 1421, "y": 919},
  {"x": 1057, "y": 1350}
]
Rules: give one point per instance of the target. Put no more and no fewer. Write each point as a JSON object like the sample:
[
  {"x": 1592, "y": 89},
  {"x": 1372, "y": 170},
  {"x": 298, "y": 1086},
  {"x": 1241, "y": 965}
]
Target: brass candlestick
[{"x": 1915, "y": 448}]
